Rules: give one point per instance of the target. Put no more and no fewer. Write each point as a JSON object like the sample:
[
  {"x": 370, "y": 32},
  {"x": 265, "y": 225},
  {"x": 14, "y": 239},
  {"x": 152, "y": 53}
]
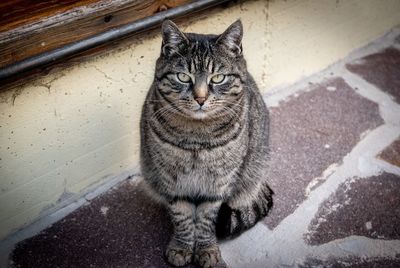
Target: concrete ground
[{"x": 335, "y": 169}]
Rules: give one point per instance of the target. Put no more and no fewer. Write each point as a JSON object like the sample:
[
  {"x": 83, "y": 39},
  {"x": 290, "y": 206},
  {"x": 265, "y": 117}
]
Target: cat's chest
[
  {"x": 195, "y": 163},
  {"x": 193, "y": 172},
  {"x": 214, "y": 161},
  {"x": 209, "y": 163},
  {"x": 203, "y": 173}
]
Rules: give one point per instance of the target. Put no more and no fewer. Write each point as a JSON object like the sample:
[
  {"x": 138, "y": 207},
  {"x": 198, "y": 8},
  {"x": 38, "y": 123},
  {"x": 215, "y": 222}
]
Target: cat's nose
[
  {"x": 200, "y": 100},
  {"x": 200, "y": 91}
]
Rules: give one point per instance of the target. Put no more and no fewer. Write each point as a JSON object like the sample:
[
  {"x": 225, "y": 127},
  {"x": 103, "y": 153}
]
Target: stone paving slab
[
  {"x": 381, "y": 69},
  {"x": 121, "y": 228},
  {"x": 353, "y": 262},
  {"x": 309, "y": 133},
  {"x": 367, "y": 207},
  {"x": 391, "y": 154}
]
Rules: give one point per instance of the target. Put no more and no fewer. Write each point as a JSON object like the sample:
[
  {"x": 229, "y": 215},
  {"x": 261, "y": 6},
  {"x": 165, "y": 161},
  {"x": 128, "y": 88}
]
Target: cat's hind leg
[
  {"x": 181, "y": 247},
  {"x": 237, "y": 216}
]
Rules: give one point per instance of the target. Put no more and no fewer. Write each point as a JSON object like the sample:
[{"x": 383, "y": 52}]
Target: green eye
[
  {"x": 218, "y": 79},
  {"x": 184, "y": 78}
]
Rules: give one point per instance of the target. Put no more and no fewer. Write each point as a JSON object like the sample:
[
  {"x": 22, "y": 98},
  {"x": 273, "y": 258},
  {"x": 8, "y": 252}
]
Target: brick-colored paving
[
  {"x": 367, "y": 207},
  {"x": 310, "y": 132},
  {"x": 121, "y": 228},
  {"x": 391, "y": 154},
  {"x": 360, "y": 262},
  {"x": 334, "y": 168},
  {"x": 381, "y": 69}
]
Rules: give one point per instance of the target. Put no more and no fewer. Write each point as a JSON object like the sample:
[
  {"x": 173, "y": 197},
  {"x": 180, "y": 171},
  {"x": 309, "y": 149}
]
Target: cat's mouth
[
  {"x": 199, "y": 113},
  {"x": 204, "y": 112}
]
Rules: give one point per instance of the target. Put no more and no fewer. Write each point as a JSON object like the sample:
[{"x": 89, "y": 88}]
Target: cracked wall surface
[{"x": 77, "y": 128}]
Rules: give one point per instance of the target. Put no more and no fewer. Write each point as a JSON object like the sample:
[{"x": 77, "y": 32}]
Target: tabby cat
[{"x": 204, "y": 142}]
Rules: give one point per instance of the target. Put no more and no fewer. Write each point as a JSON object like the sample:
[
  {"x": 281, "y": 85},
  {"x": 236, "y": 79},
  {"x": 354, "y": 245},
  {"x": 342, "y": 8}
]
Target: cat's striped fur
[{"x": 204, "y": 143}]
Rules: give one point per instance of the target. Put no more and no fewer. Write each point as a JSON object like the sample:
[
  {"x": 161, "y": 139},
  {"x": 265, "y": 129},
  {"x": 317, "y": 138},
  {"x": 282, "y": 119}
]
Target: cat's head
[{"x": 202, "y": 76}]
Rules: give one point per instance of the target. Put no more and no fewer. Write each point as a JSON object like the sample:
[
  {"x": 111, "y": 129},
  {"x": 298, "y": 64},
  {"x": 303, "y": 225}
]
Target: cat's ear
[
  {"x": 173, "y": 39},
  {"x": 231, "y": 39}
]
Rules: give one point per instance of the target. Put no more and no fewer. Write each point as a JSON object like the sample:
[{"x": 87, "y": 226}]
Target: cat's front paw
[
  {"x": 208, "y": 256},
  {"x": 178, "y": 256}
]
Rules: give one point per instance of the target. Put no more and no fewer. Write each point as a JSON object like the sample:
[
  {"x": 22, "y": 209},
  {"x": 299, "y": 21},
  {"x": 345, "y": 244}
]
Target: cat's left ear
[
  {"x": 173, "y": 39},
  {"x": 231, "y": 39}
]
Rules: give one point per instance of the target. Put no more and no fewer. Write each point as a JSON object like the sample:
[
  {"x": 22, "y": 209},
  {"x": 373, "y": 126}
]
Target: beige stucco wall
[{"x": 78, "y": 128}]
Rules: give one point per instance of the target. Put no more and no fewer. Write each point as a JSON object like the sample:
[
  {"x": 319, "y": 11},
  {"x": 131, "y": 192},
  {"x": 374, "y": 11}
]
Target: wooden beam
[{"x": 29, "y": 28}]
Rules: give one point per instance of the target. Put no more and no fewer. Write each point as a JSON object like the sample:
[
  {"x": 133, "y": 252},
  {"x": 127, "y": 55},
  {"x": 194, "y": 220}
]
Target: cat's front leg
[
  {"x": 207, "y": 252},
  {"x": 180, "y": 249}
]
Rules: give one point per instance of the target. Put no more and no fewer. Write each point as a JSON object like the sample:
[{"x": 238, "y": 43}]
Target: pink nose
[{"x": 200, "y": 100}]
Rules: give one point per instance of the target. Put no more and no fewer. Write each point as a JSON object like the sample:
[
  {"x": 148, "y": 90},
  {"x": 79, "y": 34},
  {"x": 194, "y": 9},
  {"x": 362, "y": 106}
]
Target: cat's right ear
[{"x": 173, "y": 39}]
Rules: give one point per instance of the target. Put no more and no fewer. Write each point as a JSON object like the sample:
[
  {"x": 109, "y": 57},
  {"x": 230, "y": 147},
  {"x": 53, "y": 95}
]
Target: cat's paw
[
  {"x": 207, "y": 257},
  {"x": 178, "y": 256}
]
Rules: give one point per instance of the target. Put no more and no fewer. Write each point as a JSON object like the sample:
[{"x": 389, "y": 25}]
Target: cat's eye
[
  {"x": 182, "y": 77},
  {"x": 218, "y": 79}
]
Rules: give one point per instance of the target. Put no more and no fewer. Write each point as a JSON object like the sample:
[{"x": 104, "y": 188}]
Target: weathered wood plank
[
  {"x": 17, "y": 13},
  {"x": 28, "y": 28}
]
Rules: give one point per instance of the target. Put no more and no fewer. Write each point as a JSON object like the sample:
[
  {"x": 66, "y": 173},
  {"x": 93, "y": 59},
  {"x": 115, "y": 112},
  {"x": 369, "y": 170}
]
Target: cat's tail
[{"x": 233, "y": 221}]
